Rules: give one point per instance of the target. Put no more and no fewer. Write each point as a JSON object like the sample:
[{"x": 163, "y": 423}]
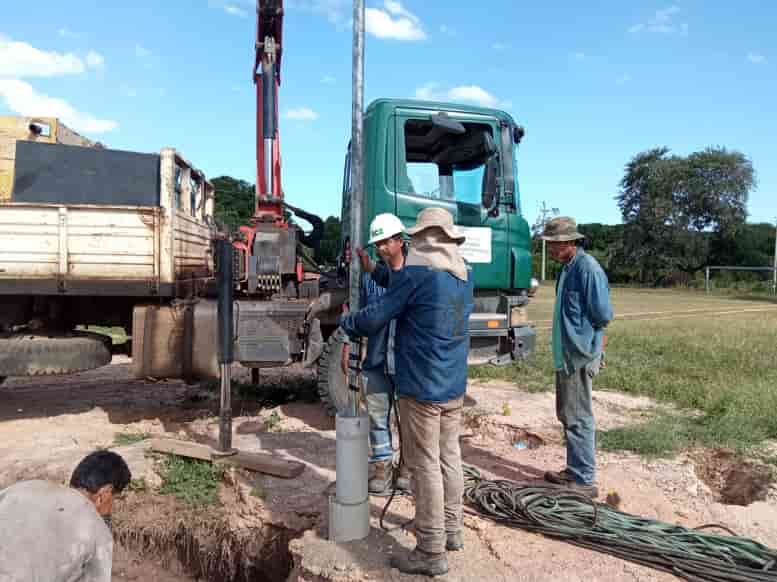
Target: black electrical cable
[{"x": 394, "y": 474}]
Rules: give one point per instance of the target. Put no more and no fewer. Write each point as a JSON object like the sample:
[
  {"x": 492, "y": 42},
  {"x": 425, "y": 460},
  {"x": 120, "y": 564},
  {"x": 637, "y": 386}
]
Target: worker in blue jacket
[
  {"x": 582, "y": 311},
  {"x": 431, "y": 300}
]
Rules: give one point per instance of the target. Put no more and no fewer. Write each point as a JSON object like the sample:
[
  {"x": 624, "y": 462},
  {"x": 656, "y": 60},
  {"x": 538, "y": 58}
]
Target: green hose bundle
[{"x": 563, "y": 514}]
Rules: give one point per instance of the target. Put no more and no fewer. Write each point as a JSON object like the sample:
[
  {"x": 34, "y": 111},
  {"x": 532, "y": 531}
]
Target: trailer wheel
[
  {"x": 47, "y": 354},
  {"x": 332, "y": 382}
]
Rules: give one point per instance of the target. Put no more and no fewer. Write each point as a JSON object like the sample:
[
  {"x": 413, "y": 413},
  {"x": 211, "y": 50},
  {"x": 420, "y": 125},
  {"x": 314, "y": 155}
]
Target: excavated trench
[
  {"x": 732, "y": 479},
  {"x": 218, "y": 544}
]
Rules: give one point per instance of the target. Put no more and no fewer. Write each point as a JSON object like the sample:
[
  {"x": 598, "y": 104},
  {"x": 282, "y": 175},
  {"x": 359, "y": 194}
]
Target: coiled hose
[{"x": 563, "y": 514}]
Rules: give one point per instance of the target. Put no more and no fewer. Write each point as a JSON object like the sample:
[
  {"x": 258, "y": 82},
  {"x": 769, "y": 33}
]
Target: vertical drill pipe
[
  {"x": 357, "y": 174},
  {"x": 225, "y": 339}
]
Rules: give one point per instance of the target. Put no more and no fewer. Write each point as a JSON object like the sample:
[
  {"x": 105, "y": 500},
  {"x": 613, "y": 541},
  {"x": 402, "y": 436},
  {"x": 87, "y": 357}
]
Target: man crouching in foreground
[
  {"x": 431, "y": 299},
  {"x": 52, "y": 533}
]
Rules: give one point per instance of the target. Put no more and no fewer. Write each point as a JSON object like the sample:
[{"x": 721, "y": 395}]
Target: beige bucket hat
[
  {"x": 439, "y": 217},
  {"x": 561, "y": 229}
]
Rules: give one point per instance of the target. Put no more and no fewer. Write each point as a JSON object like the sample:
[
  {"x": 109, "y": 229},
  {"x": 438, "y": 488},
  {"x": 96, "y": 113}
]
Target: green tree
[
  {"x": 330, "y": 243},
  {"x": 673, "y": 206},
  {"x": 234, "y": 202}
]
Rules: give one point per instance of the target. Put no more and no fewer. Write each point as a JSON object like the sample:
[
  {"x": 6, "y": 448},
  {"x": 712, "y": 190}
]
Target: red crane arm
[{"x": 267, "y": 79}]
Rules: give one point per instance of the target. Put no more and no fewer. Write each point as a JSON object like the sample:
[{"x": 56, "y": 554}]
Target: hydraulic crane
[{"x": 267, "y": 259}]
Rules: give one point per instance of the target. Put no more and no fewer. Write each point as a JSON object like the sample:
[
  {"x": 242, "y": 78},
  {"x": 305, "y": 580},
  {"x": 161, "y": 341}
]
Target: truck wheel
[
  {"x": 332, "y": 382},
  {"x": 42, "y": 354}
]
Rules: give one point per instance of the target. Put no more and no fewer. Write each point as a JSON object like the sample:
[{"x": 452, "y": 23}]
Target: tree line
[{"x": 679, "y": 215}]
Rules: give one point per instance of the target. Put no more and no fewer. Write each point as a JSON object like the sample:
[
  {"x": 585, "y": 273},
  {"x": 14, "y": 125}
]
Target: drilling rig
[{"x": 409, "y": 155}]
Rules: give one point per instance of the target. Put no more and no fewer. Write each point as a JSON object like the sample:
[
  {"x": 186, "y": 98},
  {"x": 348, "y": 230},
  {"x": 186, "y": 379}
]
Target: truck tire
[
  {"x": 332, "y": 382},
  {"x": 44, "y": 354}
]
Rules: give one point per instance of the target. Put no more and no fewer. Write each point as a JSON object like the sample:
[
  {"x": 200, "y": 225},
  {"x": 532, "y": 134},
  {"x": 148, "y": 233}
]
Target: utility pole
[{"x": 545, "y": 215}]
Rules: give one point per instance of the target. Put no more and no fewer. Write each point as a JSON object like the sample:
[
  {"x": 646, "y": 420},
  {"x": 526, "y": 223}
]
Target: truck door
[{"x": 441, "y": 162}]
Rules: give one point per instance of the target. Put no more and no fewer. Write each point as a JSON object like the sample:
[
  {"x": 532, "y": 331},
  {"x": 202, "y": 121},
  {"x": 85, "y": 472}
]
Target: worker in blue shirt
[
  {"x": 582, "y": 311},
  {"x": 386, "y": 234}
]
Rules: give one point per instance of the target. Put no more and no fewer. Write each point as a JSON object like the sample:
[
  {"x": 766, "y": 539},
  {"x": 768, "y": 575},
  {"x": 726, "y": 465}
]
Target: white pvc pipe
[
  {"x": 349, "y": 510},
  {"x": 351, "y": 457}
]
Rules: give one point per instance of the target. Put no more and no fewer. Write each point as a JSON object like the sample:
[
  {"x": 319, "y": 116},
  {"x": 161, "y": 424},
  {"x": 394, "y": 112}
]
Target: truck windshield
[
  {"x": 463, "y": 186},
  {"x": 444, "y": 166}
]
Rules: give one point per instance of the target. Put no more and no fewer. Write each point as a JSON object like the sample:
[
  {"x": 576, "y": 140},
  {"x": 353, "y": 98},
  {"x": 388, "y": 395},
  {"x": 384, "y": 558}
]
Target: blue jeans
[
  {"x": 575, "y": 411},
  {"x": 379, "y": 394}
]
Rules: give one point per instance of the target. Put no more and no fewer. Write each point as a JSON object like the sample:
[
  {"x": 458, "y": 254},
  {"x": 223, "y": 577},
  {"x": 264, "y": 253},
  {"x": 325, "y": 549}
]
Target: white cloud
[
  {"x": 500, "y": 46},
  {"x": 623, "y": 79},
  {"x": 233, "y": 10},
  {"x": 142, "y": 52},
  {"x": 67, "y": 33},
  {"x": 328, "y": 79},
  {"x": 578, "y": 56},
  {"x": 95, "y": 60},
  {"x": 301, "y": 114},
  {"x": 20, "y": 59},
  {"x": 21, "y": 98},
  {"x": 662, "y": 22},
  {"x": 393, "y": 21},
  {"x": 757, "y": 58},
  {"x": 462, "y": 93},
  {"x": 473, "y": 94}
]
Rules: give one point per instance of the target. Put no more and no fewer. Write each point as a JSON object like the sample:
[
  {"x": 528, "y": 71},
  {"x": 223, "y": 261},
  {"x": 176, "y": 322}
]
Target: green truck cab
[{"x": 420, "y": 154}]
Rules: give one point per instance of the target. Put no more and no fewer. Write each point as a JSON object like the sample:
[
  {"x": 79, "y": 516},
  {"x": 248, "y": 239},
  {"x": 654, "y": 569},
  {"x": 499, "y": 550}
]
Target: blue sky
[{"x": 593, "y": 82}]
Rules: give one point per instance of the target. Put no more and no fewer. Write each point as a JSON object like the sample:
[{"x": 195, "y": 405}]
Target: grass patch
[
  {"x": 122, "y": 439},
  {"x": 272, "y": 422},
  {"x": 666, "y": 434},
  {"x": 534, "y": 374},
  {"x": 117, "y": 334},
  {"x": 195, "y": 482},
  {"x": 718, "y": 372},
  {"x": 721, "y": 367}
]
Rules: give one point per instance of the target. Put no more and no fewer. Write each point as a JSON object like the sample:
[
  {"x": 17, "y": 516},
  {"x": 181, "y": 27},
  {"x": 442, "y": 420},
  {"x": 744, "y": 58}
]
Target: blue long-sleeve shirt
[
  {"x": 373, "y": 287},
  {"x": 583, "y": 311},
  {"x": 432, "y": 310}
]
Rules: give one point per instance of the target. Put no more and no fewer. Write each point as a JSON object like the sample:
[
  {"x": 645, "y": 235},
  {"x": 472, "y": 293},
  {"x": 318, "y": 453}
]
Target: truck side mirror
[{"x": 518, "y": 133}]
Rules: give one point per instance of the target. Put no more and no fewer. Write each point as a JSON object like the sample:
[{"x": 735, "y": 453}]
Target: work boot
[
  {"x": 381, "y": 476},
  {"x": 403, "y": 478},
  {"x": 563, "y": 477},
  {"x": 454, "y": 542},
  {"x": 419, "y": 562}
]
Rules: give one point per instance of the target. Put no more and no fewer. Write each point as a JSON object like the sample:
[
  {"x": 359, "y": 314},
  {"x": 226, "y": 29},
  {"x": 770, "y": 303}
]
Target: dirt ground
[{"x": 47, "y": 425}]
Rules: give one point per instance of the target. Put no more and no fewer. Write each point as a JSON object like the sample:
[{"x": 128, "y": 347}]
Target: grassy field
[{"x": 714, "y": 358}]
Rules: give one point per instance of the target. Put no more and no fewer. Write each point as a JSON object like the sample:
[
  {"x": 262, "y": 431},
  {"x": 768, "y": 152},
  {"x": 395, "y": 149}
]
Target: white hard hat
[{"x": 384, "y": 226}]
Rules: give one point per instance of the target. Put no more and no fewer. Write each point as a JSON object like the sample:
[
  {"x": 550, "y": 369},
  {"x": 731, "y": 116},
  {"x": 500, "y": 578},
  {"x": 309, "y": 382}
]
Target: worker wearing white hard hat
[
  {"x": 387, "y": 236},
  {"x": 384, "y": 227}
]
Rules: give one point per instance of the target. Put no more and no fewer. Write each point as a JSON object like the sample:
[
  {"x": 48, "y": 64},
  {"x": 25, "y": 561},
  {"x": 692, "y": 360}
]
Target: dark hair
[{"x": 101, "y": 468}]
